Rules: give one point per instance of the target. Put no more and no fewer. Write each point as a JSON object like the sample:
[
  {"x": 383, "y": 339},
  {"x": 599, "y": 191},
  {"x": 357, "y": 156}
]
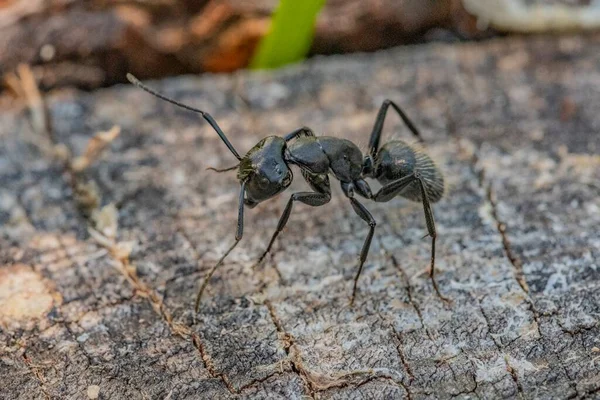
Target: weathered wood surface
[{"x": 514, "y": 124}]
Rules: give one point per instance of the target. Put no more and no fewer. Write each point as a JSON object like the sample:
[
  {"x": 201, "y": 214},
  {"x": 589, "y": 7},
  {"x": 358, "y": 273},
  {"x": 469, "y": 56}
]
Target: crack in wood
[
  {"x": 400, "y": 349},
  {"x": 291, "y": 350},
  {"x": 490, "y": 197},
  {"x": 474, "y": 377},
  {"x": 574, "y": 332},
  {"x": 310, "y": 378},
  {"x": 124, "y": 265},
  {"x": 572, "y": 382},
  {"x": 404, "y": 360},
  {"x": 515, "y": 378},
  {"x": 509, "y": 368},
  {"x": 37, "y": 374},
  {"x": 515, "y": 261},
  {"x": 409, "y": 289},
  {"x": 256, "y": 382},
  {"x": 144, "y": 291},
  {"x": 501, "y": 226},
  {"x": 209, "y": 365},
  {"x": 389, "y": 379},
  {"x": 177, "y": 329}
]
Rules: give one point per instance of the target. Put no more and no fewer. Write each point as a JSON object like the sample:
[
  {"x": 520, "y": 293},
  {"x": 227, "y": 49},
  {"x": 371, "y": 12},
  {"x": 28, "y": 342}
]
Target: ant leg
[
  {"x": 238, "y": 237},
  {"x": 366, "y": 216},
  {"x": 311, "y": 198},
  {"x": 389, "y": 191},
  {"x": 320, "y": 196},
  {"x": 300, "y": 131},
  {"x": 430, "y": 222},
  {"x": 378, "y": 127}
]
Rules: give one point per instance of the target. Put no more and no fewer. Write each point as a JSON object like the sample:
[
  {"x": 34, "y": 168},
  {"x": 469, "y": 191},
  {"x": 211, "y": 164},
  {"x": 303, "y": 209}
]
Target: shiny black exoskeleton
[{"x": 264, "y": 172}]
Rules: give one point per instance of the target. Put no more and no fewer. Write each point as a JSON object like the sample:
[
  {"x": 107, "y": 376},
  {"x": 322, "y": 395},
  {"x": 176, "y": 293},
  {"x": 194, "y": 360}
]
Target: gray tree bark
[{"x": 89, "y": 309}]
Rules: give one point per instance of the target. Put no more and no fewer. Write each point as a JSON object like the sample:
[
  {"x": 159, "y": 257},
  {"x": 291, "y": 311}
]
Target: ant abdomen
[{"x": 397, "y": 159}]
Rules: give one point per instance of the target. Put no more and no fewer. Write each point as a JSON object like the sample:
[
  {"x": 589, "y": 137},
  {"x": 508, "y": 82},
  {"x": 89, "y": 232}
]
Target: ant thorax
[{"x": 324, "y": 154}]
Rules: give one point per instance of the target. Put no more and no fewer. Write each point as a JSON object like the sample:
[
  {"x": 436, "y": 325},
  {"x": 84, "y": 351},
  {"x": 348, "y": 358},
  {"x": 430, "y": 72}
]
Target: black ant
[{"x": 264, "y": 172}]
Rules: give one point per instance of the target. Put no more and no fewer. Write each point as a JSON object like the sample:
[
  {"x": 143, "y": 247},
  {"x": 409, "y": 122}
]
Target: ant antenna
[{"x": 206, "y": 115}]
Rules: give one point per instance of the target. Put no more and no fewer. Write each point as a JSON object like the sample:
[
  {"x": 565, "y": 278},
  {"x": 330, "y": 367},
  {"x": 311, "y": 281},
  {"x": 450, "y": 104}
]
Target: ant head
[{"x": 265, "y": 171}]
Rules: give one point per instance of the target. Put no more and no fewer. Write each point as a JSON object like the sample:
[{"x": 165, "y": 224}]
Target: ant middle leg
[
  {"x": 320, "y": 196},
  {"x": 366, "y": 216}
]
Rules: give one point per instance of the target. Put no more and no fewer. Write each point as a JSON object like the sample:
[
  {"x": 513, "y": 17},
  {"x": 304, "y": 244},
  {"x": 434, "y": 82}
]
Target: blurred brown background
[{"x": 90, "y": 44}]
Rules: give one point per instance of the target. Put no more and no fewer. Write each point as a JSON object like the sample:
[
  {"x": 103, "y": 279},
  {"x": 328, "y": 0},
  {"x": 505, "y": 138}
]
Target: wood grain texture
[{"x": 514, "y": 123}]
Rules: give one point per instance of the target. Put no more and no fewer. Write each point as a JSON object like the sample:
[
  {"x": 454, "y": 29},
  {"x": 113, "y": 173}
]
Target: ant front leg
[
  {"x": 238, "y": 237},
  {"x": 378, "y": 127},
  {"x": 321, "y": 196}
]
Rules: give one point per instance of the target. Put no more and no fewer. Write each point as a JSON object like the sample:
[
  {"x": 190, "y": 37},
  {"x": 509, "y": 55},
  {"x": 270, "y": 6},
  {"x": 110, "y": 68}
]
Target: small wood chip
[{"x": 93, "y": 391}]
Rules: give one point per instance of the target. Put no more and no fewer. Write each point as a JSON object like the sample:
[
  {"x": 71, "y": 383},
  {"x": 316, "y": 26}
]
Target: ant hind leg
[
  {"x": 378, "y": 127},
  {"x": 430, "y": 222}
]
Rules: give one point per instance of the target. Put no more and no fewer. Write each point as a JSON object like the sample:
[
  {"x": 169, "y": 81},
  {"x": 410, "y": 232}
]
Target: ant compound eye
[{"x": 262, "y": 181}]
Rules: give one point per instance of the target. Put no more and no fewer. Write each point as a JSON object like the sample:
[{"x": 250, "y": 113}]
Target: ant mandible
[{"x": 264, "y": 172}]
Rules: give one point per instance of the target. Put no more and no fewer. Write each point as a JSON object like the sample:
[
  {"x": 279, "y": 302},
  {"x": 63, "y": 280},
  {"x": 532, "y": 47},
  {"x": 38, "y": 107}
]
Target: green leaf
[{"x": 290, "y": 35}]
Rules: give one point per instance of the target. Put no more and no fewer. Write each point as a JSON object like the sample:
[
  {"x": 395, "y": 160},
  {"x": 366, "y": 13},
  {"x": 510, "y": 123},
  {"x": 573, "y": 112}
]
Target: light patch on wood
[
  {"x": 23, "y": 295},
  {"x": 93, "y": 391},
  {"x": 94, "y": 148},
  {"x": 586, "y": 165},
  {"x": 105, "y": 220},
  {"x": 493, "y": 370}
]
